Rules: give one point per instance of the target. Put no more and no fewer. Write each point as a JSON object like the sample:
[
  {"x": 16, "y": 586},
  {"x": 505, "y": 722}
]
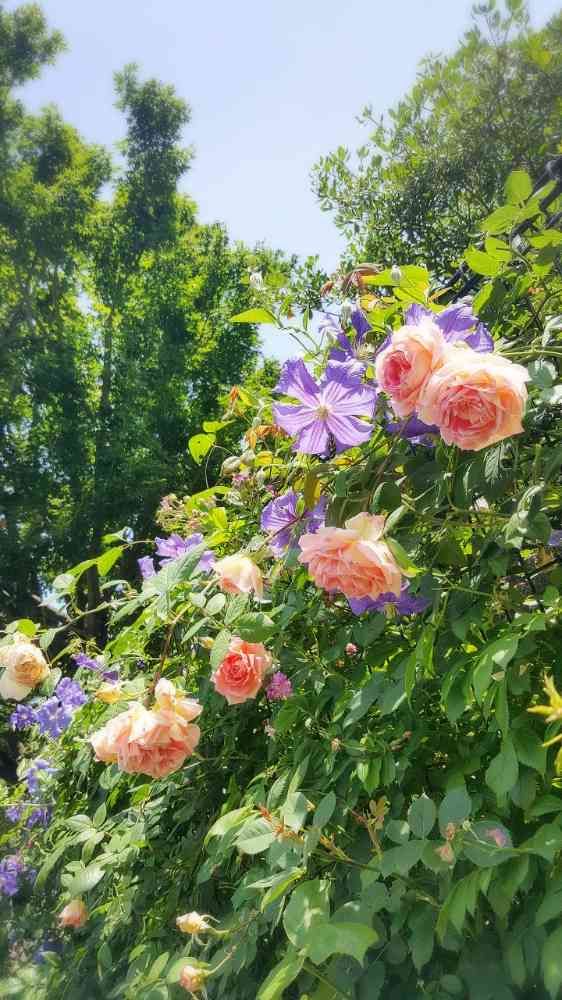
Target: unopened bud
[
  {"x": 192, "y": 923},
  {"x": 396, "y": 274},
  {"x": 206, "y": 641},
  {"x": 109, "y": 693},
  {"x": 192, "y": 978},
  {"x": 351, "y": 649},
  {"x": 248, "y": 457},
  {"x": 256, "y": 281},
  {"x": 229, "y": 466}
]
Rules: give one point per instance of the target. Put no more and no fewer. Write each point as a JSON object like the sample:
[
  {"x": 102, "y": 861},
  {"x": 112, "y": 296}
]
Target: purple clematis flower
[
  {"x": 11, "y": 867},
  {"x": 82, "y": 660},
  {"x": 175, "y": 546},
  {"x": 405, "y": 604},
  {"x": 414, "y": 431},
  {"x": 456, "y": 322},
  {"x": 328, "y": 412},
  {"x": 356, "y": 353},
  {"x": 280, "y": 519},
  {"x": 40, "y": 815},
  {"x": 13, "y": 813}
]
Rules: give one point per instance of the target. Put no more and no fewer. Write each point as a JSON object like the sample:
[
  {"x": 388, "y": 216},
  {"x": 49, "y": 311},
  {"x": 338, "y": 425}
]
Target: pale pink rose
[
  {"x": 241, "y": 673},
  {"x": 239, "y": 575},
  {"x": 403, "y": 367},
  {"x": 353, "y": 560},
  {"x": 151, "y": 741},
  {"x": 24, "y": 668},
  {"x": 475, "y": 399},
  {"x": 192, "y": 978},
  {"x": 74, "y": 914}
]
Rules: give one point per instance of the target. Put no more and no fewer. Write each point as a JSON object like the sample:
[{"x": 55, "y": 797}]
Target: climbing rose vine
[{"x": 316, "y": 753}]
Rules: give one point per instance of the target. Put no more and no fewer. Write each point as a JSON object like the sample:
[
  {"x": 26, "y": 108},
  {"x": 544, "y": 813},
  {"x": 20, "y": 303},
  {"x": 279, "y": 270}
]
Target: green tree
[{"x": 438, "y": 162}]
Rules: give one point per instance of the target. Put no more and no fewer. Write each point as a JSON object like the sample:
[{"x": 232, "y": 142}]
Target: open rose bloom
[
  {"x": 239, "y": 575},
  {"x": 241, "y": 673},
  {"x": 354, "y": 560},
  {"x": 152, "y": 741},
  {"x": 403, "y": 367},
  {"x": 74, "y": 914},
  {"x": 476, "y": 399},
  {"x": 24, "y": 668}
]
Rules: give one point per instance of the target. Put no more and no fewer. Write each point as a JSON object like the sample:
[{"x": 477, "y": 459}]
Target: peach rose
[
  {"x": 24, "y": 668},
  {"x": 74, "y": 914},
  {"x": 241, "y": 673},
  {"x": 239, "y": 575},
  {"x": 403, "y": 367},
  {"x": 151, "y": 741},
  {"x": 475, "y": 399},
  {"x": 353, "y": 560},
  {"x": 192, "y": 978}
]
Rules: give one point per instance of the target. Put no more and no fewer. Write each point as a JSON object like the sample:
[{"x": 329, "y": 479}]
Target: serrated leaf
[
  {"x": 482, "y": 263},
  {"x": 503, "y": 771},
  {"x": 362, "y": 700},
  {"x": 255, "y": 836},
  {"x": 85, "y": 880},
  {"x": 228, "y": 822},
  {"x": 324, "y": 810},
  {"x": 455, "y": 807},
  {"x": 220, "y": 648},
  {"x": 280, "y": 886},
  {"x": 518, "y": 187}
]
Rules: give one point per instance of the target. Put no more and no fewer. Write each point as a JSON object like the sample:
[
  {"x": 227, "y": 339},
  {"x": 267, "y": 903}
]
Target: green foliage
[{"x": 429, "y": 171}]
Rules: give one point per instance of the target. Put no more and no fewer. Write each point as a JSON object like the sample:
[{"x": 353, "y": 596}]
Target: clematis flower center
[{"x": 323, "y": 412}]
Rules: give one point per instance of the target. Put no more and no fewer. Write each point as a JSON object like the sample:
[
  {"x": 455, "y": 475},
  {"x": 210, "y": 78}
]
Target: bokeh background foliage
[{"x": 393, "y": 828}]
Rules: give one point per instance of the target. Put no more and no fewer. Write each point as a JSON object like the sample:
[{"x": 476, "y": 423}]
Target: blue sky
[{"x": 273, "y": 86}]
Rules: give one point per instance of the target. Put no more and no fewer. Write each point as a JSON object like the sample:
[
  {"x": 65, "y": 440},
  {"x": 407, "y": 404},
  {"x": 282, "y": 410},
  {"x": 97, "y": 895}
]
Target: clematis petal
[
  {"x": 348, "y": 431},
  {"x": 314, "y": 439},
  {"x": 292, "y": 419},
  {"x": 297, "y": 381}
]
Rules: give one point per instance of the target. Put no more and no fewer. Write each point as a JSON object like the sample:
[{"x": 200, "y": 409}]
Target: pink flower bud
[
  {"x": 74, "y": 914},
  {"x": 192, "y": 978},
  {"x": 351, "y": 649}
]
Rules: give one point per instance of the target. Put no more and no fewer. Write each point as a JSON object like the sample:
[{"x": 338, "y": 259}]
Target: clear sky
[{"x": 273, "y": 85}]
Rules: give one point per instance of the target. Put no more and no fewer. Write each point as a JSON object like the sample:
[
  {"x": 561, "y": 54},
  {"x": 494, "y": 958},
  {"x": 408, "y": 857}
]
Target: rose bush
[{"x": 362, "y": 615}]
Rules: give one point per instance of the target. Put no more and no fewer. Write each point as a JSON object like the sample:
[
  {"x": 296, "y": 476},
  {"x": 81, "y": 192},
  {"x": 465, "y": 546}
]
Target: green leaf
[
  {"x": 254, "y": 316},
  {"x": 324, "y": 810},
  {"x": 228, "y": 822},
  {"x": 220, "y": 648},
  {"x": 546, "y": 842},
  {"x": 503, "y": 771},
  {"x": 85, "y": 880},
  {"x": 402, "y": 558},
  {"x": 255, "y": 626},
  {"x": 255, "y": 836},
  {"x": 518, "y": 187},
  {"x": 494, "y": 657},
  {"x": 500, "y": 221},
  {"x": 550, "y": 908},
  {"x": 106, "y": 561},
  {"x": 482, "y": 263},
  {"x": 216, "y": 604},
  {"x": 421, "y": 816},
  {"x": 362, "y": 700},
  {"x": 281, "y": 976},
  {"x": 399, "y": 860},
  {"x": 200, "y": 445},
  {"x": 158, "y": 966},
  {"x": 295, "y": 811},
  {"x": 307, "y": 907},
  {"x": 342, "y": 939},
  {"x": 50, "y": 862},
  {"x": 455, "y": 807},
  {"x": 551, "y": 963},
  {"x": 280, "y": 885}
]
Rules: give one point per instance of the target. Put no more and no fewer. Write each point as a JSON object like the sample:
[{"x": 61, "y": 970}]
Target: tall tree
[
  {"x": 114, "y": 317},
  {"x": 438, "y": 162}
]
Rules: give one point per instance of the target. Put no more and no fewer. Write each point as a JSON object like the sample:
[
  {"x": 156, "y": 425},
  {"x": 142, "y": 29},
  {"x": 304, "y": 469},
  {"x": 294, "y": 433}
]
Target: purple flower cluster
[
  {"x": 169, "y": 549},
  {"x": 328, "y": 412},
  {"x": 70, "y": 693},
  {"x": 280, "y": 519},
  {"x": 405, "y": 604},
  {"x": 555, "y": 540},
  {"x": 35, "y": 769},
  {"x": 39, "y": 816},
  {"x": 14, "y": 813},
  {"x": 56, "y": 713},
  {"x": 11, "y": 868},
  {"x": 83, "y": 660},
  {"x": 279, "y": 687},
  {"x": 22, "y": 717}
]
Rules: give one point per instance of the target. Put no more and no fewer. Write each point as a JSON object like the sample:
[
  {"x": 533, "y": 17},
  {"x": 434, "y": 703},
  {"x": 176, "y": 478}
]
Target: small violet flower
[
  {"x": 280, "y": 519},
  {"x": 169, "y": 549},
  {"x": 328, "y": 411},
  {"x": 22, "y": 717},
  {"x": 70, "y": 693},
  {"x": 414, "y": 430},
  {"x": 13, "y": 813},
  {"x": 40, "y": 816},
  {"x": 32, "y": 778},
  {"x": 147, "y": 567},
  {"x": 279, "y": 687},
  {"x": 405, "y": 604},
  {"x": 555, "y": 540},
  {"x": 82, "y": 660},
  {"x": 11, "y": 867}
]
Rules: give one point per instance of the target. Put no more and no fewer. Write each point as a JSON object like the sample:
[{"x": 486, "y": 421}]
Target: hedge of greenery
[{"x": 317, "y": 733}]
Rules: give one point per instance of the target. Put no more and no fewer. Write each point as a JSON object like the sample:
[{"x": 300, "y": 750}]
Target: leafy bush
[{"x": 382, "y": 817}]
